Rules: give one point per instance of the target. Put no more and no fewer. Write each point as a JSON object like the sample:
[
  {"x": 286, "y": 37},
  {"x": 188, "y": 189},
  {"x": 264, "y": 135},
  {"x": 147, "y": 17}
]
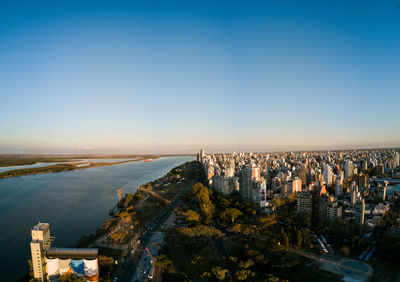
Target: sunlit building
[{"x": 50, "y": 263}]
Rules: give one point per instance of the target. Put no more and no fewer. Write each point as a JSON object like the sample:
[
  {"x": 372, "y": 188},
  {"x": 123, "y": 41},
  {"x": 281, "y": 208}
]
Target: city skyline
[{"x": 173, "y": 77}]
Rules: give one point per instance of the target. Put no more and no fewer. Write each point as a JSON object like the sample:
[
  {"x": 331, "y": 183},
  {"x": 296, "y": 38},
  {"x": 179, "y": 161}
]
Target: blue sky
[{"x": 174, "y": 76}]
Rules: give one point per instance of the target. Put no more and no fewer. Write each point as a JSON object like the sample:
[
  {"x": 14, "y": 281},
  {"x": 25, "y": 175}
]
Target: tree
[
  {"x": 192, "y": 216},
  {"x": 202, "y": 196},
  {"x": 163, "y": 261},
  {"x": 30, "y": 267},
  {"x": 219, "y": 272},
  {"x": 272, "y": 278},
  {"x": 246, "y": 264},
  {"x": 345, "y": 250},
  {"x": 199, "y": 231},
  {"x": 237, "y": 228},
  {"x": 299, "y": 239},
  {"x": 230, "y": 214},
  {"x": 70, "y": 277},
  {"x": 106, "y": 265},
  {"x": 128, "y": 199},
  {"x": 286, "y": 241},
  {"x": 242, "y": 274}
]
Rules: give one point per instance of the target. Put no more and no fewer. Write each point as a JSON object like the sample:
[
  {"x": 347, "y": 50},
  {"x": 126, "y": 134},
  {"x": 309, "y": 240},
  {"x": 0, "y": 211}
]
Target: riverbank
[
  {"x": 136, "y": 213},
  {"x": 75, "y": 203},
  {"x": 9, "y": 160},
  {"x": 64, "y": 167}
]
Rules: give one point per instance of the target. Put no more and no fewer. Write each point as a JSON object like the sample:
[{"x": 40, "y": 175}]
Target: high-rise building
[
  {"x": 334, "y": 211},
  {"x": 202, "y": 154},
  {"x": 317, "y": 192},
  {"x": 302, "y": 174},
  {"x": 359, "y": 211},
  {"x": 348, "y": 171},
  {"x": 210, "y": 174},
  {"x": 230, "y": 171},
  {"x": 323, "y": 207},
  {"x": 259, "y": 193},
  {"x": 328, "y": 174},
  {"x": 40, "y": 243},
  {"x": 340, "y": 176},
  {"x": 338, "y": 188},
  {"x": 382, "y": 192},
  {"x": 397, "y": 159},
  {"x": 246, "y": 178},
  {"x": 304, "y": 202},
  {"x": 365, "y": 165},
  {"x": 223, "y": 185},
  {"x": 361, "y": 181},
  {"x": 353, "y": 193},
  {"x": 293, "y": 186},
  {"x": 380, "y": 170}
]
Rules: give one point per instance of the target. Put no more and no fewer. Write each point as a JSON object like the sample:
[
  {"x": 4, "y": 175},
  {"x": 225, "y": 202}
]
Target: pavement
[{"x": 355, "y": 269}]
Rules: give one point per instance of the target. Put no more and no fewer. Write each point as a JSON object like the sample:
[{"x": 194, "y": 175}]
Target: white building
[{"x": 348, "y": 169}]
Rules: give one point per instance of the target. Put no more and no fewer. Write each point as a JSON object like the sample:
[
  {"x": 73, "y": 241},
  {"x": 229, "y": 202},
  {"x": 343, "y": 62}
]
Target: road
[
  {"x": 132, "y": 263},
  {"x": 145, "y": 269}
]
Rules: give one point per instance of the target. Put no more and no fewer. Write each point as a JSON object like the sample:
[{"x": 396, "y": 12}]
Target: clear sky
[{"x": 174, "y": 76}]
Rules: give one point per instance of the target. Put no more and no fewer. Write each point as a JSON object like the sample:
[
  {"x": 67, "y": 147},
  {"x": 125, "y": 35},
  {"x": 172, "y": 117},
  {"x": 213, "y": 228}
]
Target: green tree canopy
[
  {"x": 243, "y": 274},
  {"x": 230, "y": 214},
  {"x": 192, "y": 216},
  {"x": 219, "y": 272}
]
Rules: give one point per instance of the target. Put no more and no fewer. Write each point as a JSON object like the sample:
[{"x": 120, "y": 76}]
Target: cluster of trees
[
  {"x": 198, "y": 251},
  {"x": 199, "y": 231},
  {"x": 198, "y": 198}
]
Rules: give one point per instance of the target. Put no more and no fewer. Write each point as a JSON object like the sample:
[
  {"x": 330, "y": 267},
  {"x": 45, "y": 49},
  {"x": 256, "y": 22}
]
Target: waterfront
[{"x": 75, "y": 203}]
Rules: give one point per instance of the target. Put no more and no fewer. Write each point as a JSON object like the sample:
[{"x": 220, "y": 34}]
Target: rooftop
[
  {"x": 41, "y": 226},
  {"x": 66, "y": 253}
]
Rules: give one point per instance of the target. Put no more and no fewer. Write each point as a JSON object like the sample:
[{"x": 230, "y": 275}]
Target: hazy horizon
[
  {"x": 209, "y": 151},
  {"x": 173, "y": 77}
]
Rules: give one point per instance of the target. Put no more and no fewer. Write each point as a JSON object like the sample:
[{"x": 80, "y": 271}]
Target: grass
[
  {"x": 171, "y": 190},
  {"x": 150, "y": 208}
]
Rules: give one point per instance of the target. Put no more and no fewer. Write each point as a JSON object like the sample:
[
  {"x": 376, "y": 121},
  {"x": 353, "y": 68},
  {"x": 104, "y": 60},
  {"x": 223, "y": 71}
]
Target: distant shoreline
[
  {"x": 7, "y": 160},
  {"x": 65, "y": 167}
]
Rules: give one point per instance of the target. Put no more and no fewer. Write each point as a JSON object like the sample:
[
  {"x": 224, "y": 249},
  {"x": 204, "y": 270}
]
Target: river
[{"x": 75, "y": 203}]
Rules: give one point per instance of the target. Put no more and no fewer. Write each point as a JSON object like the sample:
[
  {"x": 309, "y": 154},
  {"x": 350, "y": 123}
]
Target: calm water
[{"x": 75, "y": 203}]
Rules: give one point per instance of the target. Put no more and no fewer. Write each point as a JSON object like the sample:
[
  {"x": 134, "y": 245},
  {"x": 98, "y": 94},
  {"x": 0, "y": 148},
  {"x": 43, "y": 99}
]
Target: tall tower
[
  {"x": 202, "y": 154},
  {"x": 328, "y": 174},
  {"x": 247, "y": 176},
  {"x": 41, "y": 242},
  {"x": 348, "y": 169},
  {"x": 339, "y": 188},
  {"x": 359, "y": 212}
]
